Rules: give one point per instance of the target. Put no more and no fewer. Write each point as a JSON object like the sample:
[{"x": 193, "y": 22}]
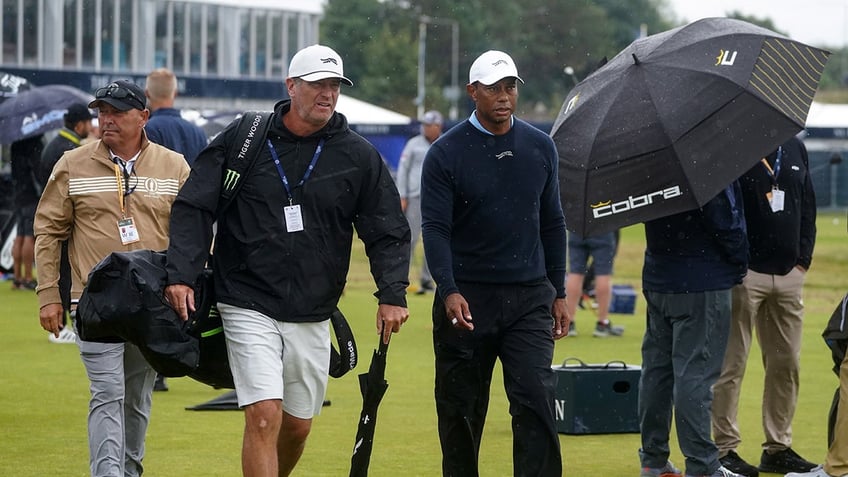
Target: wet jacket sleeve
[
  {"x": 193, "y": 213},
  {"x": 53, "y": 222},
  {"x": 552, "y": 225},
  {"x": 724, "y": 218},
  {"x": 808, "y": 215},
  {"x": 383, "y": 229},
  {"x": 437, "y": 219}
]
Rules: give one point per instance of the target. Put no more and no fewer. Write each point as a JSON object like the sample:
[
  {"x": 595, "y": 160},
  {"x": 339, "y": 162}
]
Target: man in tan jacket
[{"x": 114, "y": 194}]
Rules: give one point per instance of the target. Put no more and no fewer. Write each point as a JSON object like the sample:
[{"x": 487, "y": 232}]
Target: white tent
[
  {"x": 360, "y": 112},
  {"x": 827, "y": 115}
]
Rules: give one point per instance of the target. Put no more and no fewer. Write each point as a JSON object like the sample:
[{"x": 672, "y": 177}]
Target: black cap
[
  {"x": 78, "y": 112},
  {"x": 123, "y": 95}
]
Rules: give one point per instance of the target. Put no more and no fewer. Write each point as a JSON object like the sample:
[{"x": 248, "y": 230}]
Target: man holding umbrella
[
  {"x": 495, "y": 240},
  {"x": 692, "y": 261},
  {"x": 282, "y": 253}
]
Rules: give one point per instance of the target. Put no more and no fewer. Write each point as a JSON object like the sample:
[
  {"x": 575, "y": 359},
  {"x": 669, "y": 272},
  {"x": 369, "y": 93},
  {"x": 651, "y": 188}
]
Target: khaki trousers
[
  {"x": 771, "y": 305},
  {"x": 836, "y": 462}
]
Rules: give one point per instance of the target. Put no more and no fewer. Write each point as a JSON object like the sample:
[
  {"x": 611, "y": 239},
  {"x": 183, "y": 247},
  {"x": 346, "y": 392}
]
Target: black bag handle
[{"x": 242, "y": 154}]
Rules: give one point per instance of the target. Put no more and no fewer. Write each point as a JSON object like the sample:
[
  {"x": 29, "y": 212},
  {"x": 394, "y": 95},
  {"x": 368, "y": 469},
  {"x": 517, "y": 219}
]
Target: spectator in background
[
  {"x": 780, "y": 209},
  {"x": 26, "y": 155},
  {"x": 77, "y": 127},
  {"x": 602, "y": 250},
  {"x": 166, "y": 126},
  {"x": 409, "y": 185}
]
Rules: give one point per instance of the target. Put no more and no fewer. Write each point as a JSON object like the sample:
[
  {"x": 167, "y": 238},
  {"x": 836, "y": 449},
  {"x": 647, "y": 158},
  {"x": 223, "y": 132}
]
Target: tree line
[{"x": 553, "y": 43}]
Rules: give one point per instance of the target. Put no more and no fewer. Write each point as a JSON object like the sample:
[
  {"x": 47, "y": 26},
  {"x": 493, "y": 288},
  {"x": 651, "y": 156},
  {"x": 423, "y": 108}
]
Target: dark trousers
[
  {"x": 512, "y": 323},
  {"x": 682, "y": 353}
]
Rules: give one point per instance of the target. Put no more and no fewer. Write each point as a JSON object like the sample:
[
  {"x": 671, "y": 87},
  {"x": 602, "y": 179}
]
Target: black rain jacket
[{"x": 298, "y": 276}]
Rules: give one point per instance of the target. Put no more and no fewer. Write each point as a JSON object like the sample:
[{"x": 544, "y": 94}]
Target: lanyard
[
  {"x": 120, "y": 178},
  {"x": 773, "y": 173},
  {"x": 305, "y": 174},
  {"x": 122, "y": 173},
  {"x": 70, "y": 137}
]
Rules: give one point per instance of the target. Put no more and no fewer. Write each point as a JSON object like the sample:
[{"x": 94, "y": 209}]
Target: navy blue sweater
[
  {"x": 699, "y": 250},
  {"x": 491, "y": 209},
  {"x": 167, "y": 127}
]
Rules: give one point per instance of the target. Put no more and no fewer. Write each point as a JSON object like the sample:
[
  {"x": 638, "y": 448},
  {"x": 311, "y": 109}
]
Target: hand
[
  {"x": 389, "y": 320},
  {"x": 50, "y": 317},
  {"x": 458, "y": 312},
  {"x": 562, "y": 320},
  {"x": 403, "y": 204},
  {"x": 181, "y": 299}
]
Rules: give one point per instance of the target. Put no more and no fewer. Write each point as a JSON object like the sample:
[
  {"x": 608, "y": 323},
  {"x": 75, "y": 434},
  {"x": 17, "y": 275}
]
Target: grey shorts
[
  {"x": 601, "y": 248},
  {"x": 271, "y": 360},
  {"x": 24, "y": 218}
]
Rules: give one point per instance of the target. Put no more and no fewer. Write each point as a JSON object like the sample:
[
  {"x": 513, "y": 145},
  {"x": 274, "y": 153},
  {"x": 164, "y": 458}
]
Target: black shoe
[
  {"x": 160, "y": 384},
  {"x": 734, "y": 463},
  {"x": 784, "y": 461}
]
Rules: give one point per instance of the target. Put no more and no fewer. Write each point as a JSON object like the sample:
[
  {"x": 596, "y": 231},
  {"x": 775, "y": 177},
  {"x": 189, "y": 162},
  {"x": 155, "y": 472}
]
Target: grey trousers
[
  {"x": 682, "y": 354},
  {"x": 413, "y": 216},
  {"x": 121, "y": 384}
]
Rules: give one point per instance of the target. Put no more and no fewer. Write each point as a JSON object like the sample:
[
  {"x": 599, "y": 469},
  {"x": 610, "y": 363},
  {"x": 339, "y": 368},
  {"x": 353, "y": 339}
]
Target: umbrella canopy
[
  {"x": 677, "y": 116},
  {"x": 37, "y": 111},
  {"x": 373, "y": 386}
]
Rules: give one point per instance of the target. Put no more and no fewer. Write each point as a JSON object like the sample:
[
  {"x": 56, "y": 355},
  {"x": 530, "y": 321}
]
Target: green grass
[{"x": 44, "y": 392}]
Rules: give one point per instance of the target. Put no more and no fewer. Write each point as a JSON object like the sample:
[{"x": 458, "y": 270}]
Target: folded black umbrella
[{"x": 373, "y": 386}]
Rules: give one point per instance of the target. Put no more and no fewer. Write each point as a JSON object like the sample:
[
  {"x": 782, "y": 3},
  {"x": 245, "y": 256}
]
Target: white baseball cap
[
  {"x": 491, "y": 67},
  {"x": 317, "y": 62}
]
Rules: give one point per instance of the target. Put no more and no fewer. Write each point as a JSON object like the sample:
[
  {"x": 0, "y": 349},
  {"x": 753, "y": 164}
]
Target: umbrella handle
[{"x": 383, "y": 348}]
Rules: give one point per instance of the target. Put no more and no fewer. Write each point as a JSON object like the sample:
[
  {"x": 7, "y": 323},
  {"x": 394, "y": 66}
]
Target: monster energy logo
[{"x": 231, "y": 179}]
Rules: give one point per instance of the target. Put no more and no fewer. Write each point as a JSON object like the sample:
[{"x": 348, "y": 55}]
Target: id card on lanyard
[
  {"x": 776, "y": 197},
  {"x": 292, "y": 213},
  {"x": 127, "y": 230}
]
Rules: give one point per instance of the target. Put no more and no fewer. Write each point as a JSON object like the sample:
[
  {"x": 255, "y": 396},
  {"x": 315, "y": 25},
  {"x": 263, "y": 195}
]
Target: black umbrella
[
  {"x": 677, "y": 116},
  {"x": 373, "y": 386},
  {"x": 37, "y": 111}
]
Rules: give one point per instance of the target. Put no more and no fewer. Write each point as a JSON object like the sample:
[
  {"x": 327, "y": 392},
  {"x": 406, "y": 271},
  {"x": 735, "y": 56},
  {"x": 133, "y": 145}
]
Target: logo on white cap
[
  {"x": 317, "y": 62},
  {"x": 491, "y": 67}
]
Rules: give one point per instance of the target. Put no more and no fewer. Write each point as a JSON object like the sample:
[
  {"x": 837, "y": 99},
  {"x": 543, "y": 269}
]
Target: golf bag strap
[{"x": 242, "y": 153}]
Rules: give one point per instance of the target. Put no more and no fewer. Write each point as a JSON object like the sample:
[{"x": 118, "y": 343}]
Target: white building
[{"x": 226, "y": 51}]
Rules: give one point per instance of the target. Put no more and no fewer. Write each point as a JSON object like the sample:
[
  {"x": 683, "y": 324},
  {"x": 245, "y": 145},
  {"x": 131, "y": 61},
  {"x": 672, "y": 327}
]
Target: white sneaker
[
  {"x": 66, "y": 336},
  {"x": 720, "y": 472},
  {"x": 816, "y": 472}
]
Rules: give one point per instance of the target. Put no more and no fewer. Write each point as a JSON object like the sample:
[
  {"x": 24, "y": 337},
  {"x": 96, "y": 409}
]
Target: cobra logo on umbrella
[{"x": 605, "y": 209}]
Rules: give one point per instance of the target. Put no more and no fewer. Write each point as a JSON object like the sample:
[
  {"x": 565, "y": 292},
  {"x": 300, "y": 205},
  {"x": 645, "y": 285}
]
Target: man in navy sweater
[
  {"x": 692, "y": 261},
  {"x": 494, "y": 237},
  {"x": 166, "y": 125}
]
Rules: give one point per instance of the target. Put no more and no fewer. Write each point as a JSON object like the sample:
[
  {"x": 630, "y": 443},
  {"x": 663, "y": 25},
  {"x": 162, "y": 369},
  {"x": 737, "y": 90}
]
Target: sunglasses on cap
[{"x": 118, "y": 92}]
